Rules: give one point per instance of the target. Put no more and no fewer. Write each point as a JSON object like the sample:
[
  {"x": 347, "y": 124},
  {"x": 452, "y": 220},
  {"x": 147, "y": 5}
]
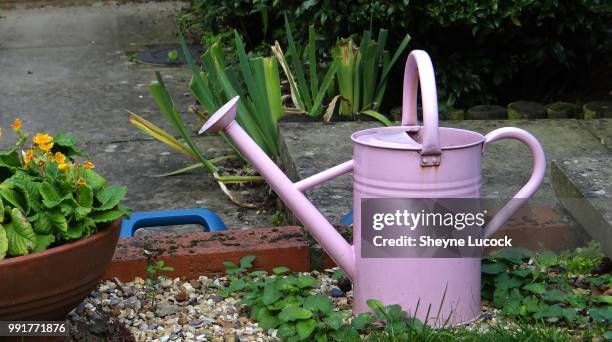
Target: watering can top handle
[{"x": 420, "y": 70}]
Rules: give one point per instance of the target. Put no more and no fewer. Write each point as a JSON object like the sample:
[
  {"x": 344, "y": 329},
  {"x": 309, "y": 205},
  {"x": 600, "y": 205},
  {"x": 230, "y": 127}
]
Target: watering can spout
[{"x": 290, "y": 193}]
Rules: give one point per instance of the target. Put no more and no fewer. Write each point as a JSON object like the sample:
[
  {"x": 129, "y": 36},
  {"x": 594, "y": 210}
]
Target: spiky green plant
[
  {"x": 363, "y": 72},
  {"x": 258, "y": 110},
  {"x": 307, "y": 96}
]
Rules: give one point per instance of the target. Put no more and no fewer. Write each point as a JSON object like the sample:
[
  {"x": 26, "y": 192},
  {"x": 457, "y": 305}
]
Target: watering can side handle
[
  {"x": 537, "y": 174},
  {"x": 324, "y": 176}
]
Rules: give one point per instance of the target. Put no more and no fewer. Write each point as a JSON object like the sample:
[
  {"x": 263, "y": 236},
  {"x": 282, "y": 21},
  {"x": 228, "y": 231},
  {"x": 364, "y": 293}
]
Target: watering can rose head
[{"x": 50, "y": 194}]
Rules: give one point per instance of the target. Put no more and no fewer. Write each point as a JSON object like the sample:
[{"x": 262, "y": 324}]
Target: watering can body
[{"x": 388, "y": 163}]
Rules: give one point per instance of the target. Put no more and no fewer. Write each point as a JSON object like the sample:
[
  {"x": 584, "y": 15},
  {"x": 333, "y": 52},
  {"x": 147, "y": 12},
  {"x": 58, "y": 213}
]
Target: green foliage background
[{"x": 484, "y": 51}]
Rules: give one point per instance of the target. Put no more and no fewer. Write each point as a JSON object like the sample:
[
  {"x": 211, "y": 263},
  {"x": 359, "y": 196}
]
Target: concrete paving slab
[
  {"x": 312, "y": 147},
  {"x": 584, "y": 187},
  {"x": 92, "y": 114},
  {"x": 75, "y": 67},
  {"x": 507, "y": 163},
  {"x": 601, "y": 129},
  {"x": 136, "y": 163},
  {"x": 117, "y": 25}
]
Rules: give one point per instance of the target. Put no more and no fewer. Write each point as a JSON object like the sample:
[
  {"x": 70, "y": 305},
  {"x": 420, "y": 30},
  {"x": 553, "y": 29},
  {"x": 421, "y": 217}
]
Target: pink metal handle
[
  {"x": 420, "y": 70},
  {"x": 537, "y": 175}
]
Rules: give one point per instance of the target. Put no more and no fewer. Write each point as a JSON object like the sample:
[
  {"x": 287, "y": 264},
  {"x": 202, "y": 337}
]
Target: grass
[{"x": 499, "y": 333}]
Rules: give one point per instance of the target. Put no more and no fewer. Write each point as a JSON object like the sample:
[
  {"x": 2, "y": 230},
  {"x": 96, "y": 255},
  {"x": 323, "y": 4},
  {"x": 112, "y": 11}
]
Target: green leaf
[
  {"x": 377, "y": 307},
  {"x": 602, "y": 314},
  {"x": 10, "y": 159},
  {"x": 306, "y": 281},
  {"x": 530, "y": 305},
  {"x": 395, "y": 313},
  {"x": 318, "y": 303},
  {"x": 74, "y": 232},
  {"x": 270, "y": 294},
  {"x": 603, "y": 299},
  {"x": 306, "y": 327},
  {"x": 495, "y": 268},
  {"x": 522, "y": 272},
  {"x": 229, "y": 265},
  {"x": 506, "y": 281},
  {"x": 66, "y": 143},
  {"x": 296, "y": 60},
  {"x": 258, "y": 273},
  {"x": 108, "y": 215},
  {"x": 20, "y": 235},
  {"x": 287, "y": 330},
  {"x": 387, "y": 68},
  {"x": 247, "y": 261},
  {"x": 81, "y": 212},
  {"x": 110, "y": 197},
  {"x": 28, "y": 187},
  {"x": 43, "y": 242},
  {"x": 280, "y": 270},
  {"x": 312, "y": 60},
  {"x": 325, "y": 84},
  {"x": 85, "y": 196},
  {"x": 237, "y": 285},
  {"x": 85, "y": 227},
  {"x": 3, "y": 243},
  {"x": 293, "y": 313},
  {"x": 554, "y": 295},
  {"x": 42, "y": 223},
  {"x": 51, "y": 198},
  {"x": 378, "y": 116},
  {"x": 58, "y": 220},
  {"x": 94, "y": 180},
  {"x": 537, "y": 288},
  {"x": 515, "y": 254},
  {"x": 556, "y": 311},
  {"x": 14, "y": 198},
  {"x": 362, "y": 321},
  {"x": 335, "y": 319},
  {"x": 266, "y": 320}
]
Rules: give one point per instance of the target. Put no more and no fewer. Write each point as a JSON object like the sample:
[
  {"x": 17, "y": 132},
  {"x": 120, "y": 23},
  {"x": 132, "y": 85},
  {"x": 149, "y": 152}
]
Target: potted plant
[{"x": 59, "y": 225}]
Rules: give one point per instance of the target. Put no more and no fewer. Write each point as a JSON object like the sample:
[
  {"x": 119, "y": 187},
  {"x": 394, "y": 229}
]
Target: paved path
[{"x": 67, "y": 69}]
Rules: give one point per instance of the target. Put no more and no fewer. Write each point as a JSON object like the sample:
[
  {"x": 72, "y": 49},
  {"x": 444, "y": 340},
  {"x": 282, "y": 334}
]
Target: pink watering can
[{"x": 388, "y": 163}]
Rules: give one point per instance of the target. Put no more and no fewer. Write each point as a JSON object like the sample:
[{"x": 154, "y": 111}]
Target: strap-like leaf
[
  {"x": 159, "y": 134},
  {"x": 378, "y": 116}
]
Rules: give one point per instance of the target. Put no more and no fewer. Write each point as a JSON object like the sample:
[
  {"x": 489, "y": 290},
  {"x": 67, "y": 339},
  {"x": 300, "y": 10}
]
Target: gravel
[
  {"x": 177, "y": 310},
  {"x": 181, "y": 310}
]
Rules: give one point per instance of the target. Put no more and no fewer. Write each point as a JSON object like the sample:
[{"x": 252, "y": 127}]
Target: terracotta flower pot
[{"x": 47, "y": 285}]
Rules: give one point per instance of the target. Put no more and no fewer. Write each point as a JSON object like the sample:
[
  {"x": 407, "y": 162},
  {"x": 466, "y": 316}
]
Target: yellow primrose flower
[
  {"x": 89, "y": 165},
  {"x": 16, "y": 125},
  {"x": 59, "y": 157},
  {"x": 44, "y": 141},
  {"x": 63, "y": 167},
  {"x": 81, "y": 181}
]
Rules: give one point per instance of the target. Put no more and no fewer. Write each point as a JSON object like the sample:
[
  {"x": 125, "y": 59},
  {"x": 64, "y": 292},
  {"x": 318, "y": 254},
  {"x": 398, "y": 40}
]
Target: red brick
[{"x": 195, "y": 254}]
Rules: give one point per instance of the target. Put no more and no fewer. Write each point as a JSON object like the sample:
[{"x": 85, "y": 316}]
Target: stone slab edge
[
  {"x": 583, "y": 210},
  {"x": 203, "y": 253}
]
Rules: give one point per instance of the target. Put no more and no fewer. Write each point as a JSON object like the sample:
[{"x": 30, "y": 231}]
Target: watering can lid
[{"x": 407, "y": 138}]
